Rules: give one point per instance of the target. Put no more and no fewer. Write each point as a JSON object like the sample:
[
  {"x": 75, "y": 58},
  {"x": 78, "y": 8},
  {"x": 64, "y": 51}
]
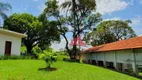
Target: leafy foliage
[
  {"x": 38, "y": 32},
  {"x": 23, "y": 50},
  {"x": 36, "y": 50},
  {"x": 48, "y": 56},
  {"x": 79, "y": 16},
  {"x": 110, "y": 31},
  {"x": 15, "y": 57}
]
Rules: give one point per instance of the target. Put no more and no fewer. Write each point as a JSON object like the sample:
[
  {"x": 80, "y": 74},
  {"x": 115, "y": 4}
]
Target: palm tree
[
  {"x": 3, "y": 8},
  {"x": 74, "y": 5}
]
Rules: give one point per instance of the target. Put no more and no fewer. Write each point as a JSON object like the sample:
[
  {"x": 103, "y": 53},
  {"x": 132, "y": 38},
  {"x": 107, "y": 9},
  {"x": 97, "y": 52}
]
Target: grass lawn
[
  {"x": 28, "y": 70},
  {"x": 140, "y": 73}
]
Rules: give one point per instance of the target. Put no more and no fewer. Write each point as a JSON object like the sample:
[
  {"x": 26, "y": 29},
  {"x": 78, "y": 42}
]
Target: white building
[
  {"x": 124, "y": 55},
  {"x": 10, "y": 42}
]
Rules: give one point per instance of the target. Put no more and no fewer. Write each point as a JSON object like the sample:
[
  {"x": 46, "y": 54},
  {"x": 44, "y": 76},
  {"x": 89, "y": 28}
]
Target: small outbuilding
[
  {"x": 10, "y": 42},
  {"x": 124, "y": 55}
]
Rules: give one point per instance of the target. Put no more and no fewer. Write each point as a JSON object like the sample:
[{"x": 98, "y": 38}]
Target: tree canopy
[
  {"x": 79, "y": 15},
  {"x": 37, "y": 32},
  {"x": 111, "y": 31}
]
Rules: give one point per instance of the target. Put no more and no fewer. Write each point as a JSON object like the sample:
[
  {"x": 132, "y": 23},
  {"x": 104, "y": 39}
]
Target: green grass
[
  {"x": 28, "y": 70},
  {"x": 140, "y": 73}
]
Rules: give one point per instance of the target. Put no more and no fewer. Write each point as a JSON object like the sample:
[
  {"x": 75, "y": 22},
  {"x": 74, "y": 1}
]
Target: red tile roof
[{"x": 119, "y": 45}]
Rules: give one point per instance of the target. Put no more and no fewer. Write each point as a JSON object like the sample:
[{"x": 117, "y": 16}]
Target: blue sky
[
  {"x": 110, "y": 9},
  {"x": 30, "y": 6}
]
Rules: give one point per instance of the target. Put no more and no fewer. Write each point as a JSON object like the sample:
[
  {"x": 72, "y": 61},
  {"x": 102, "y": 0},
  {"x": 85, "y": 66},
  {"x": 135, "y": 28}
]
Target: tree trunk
[
  {"x": 74, "y": 50},
  {"x": 49, "y": 66},
  {"x": 67, "y": 48},
  {"x": 29, "y": 49},
  {"x": 69, "y": 52}
]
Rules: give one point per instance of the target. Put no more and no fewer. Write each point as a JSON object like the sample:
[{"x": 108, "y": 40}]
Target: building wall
[
  {"x": 110, "y": 56},
  {"x": 122, "y": 56},
  {"x": 138, "y": 56},
  {"x": 16, "y": 44},
  {"x": 94, "y": 56},
  {"x": 100, "y": 56}
]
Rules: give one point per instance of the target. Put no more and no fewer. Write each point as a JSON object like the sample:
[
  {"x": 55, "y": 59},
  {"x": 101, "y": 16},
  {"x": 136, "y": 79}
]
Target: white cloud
[
  {"x": 110, "y": 6},
  {"x": 61, "y": 45},
  {"x": 136, "y": 23},
  {"x": 107, "y": 6},
  {"x": 135, "y": 20}
]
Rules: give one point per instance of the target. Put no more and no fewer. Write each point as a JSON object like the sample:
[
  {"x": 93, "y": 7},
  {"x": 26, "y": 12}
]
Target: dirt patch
[{"x": 47, "y": 69}]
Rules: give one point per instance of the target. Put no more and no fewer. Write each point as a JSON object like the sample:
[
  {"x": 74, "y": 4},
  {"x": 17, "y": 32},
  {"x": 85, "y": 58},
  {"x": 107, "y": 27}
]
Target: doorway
[
  {"x": 100, "y": 63},
  {"x": 94, "y": 62},
  {"x": 8, "y": 48},
  {"x": 110, "y": 65},
  {"x": 120, "y": 66}
]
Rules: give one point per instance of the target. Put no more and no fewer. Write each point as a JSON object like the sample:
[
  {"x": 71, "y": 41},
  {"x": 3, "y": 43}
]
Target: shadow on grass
[
  {"x": 70, "y": 60},
  {"x": 126, "y": 73},
  {"x": 47, "y": 69},
  {"x": 122, "y": 72}
]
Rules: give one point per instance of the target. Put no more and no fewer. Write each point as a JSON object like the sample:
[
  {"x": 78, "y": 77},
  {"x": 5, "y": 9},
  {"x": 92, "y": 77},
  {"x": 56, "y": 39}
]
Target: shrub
[
  {"x": 48, "y": 56},
  {"x": 23, "y": 50},
  {"x": 14, "y": 57},
  {"x": 36, "y": 50},
  {"x": 61, "y": 55}
]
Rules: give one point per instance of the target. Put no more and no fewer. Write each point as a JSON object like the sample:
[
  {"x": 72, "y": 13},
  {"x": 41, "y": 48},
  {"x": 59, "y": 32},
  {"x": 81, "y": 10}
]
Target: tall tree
[
  {"x": 80, "y": 18},
  {"x": 111, "y": 31},
  {"x": 3, "y": 8},
  {"x": 84, "y": 17},
  {"x": 37, "y": 32},
  {"x": 52, "y": 10}
]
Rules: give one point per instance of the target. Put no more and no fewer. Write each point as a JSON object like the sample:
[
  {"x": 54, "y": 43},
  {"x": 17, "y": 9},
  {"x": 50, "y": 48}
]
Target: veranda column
[
  {"x": 134, "y": 65},
  {"x": 104, "y": 60},
  {"x": 115, "y": 60},
  {"x": 91, "y": 58},
  {"x": 96, "y": 59}
]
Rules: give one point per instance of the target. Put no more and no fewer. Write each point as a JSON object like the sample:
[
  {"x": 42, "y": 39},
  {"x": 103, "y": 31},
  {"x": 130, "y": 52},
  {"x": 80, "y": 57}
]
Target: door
[
  {"x": 8, "y": 48},
  {"x": 94, "y": 62},
  {"x": 120, "y": 66},
  {"x": 110, "y": 65},
  {"x": 100, "y": 63}
]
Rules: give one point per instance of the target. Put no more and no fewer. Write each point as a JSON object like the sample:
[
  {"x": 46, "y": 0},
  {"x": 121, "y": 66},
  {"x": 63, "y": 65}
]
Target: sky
[{"x": 110, "y": 10}]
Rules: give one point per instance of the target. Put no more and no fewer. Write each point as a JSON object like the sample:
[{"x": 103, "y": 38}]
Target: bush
[
  {"x": 23, "y": 50},
  {"x": 36, "y": 50},
  {"x": 14, "y": 57},
  {"x": 48, "y": 56},
  {"x": 61, "y": 55}
]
